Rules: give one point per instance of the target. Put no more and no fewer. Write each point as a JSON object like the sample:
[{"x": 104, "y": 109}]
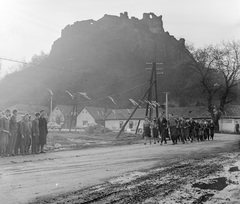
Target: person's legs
[
  {"x": 33, "y": 144},
  {"x": 5, "y": 143},
  {"x": 1, "y": 146},
  {"x": 37, "y": 144},
  {"x": 14, "y": 140},
  {"x": 29, "y": 143},
  {"x": 9, "y": 145},
  {"x": 23, "y": 145}
]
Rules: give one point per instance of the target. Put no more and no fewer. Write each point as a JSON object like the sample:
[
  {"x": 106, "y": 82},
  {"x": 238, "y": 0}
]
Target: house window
[
  {"x": 131, "y": 124},
  {"x": 120, "y": 124},
  {"x": 85, "y": 122}
]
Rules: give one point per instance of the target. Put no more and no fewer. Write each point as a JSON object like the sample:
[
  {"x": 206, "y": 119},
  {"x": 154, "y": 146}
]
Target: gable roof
[
  {"x": 187, "y": 112},
  {"x": 66, "y": 110},
  {"x": 196, "y": 112},
  {"x": 232, "y": 111},
  {"x": 123, "y": 114},
  {"x": 98, "y": 113}
]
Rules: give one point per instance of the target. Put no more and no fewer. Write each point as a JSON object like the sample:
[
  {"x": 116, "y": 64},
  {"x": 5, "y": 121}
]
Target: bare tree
[{"x": 217, "y": 68}]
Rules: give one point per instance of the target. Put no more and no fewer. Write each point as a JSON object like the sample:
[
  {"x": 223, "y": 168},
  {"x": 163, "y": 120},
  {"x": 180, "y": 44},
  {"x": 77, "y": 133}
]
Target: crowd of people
[
  {"x": 177, "y": 129},
  {"x": 22, "y": 137}
]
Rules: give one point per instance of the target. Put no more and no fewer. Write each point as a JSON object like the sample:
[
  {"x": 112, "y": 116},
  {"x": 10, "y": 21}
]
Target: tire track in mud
[{"x": 155, "y": 185}]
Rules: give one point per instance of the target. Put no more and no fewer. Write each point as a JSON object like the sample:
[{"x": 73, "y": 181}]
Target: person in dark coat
[
  {"x": 237, "y": 127},
  {"x": 154, "y": 127},
  {"x": 13, "y": 132},
  {"x": 211, "y": 128},
  {"x": 5, "y": 131},
  {"x": 191, "y": 129},
  {"x": 35, "y": 134},
  {"x": 43, "y": 130},
  {"x": 201, "y": 130},
  {"x": 173, "y": 129},
  {"x": 26, "y": 134},
  {"x": 147, "y": 130},
  {"x": 20, "y": 137},
  {"x": 196, "y": 130},
  {"x": 178, "y": 129},
  {"x": 162, "y": 122},
  {"x": 184, "y": 130}
]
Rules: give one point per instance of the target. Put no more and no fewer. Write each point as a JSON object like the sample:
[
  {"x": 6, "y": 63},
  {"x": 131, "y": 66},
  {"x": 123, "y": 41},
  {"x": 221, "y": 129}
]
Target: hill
[{"x": 101, "y": 58}]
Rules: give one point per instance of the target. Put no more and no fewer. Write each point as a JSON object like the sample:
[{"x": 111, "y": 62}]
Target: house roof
[
  {"x": 98, "y": 113},
  {"x": 190, "y": 112},
  {"x": 187, "y": 112},
  {"x": 123, "y": 114},
  {"x": 66, "y": 110},
  {"x": 232, "y": 111}
]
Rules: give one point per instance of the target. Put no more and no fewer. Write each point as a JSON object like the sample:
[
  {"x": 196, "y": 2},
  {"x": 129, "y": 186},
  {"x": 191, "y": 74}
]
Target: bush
[{"x": 96, "y": 129}]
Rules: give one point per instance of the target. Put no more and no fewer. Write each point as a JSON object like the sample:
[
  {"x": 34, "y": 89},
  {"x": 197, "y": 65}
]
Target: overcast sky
[{"x": 30, "y": 26}]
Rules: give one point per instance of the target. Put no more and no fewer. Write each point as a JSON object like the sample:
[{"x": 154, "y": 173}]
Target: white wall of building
[
  {"x": 84, "y": 118},
  {"x": 56, "y": 116},
  {"x": 227, "y": 125},
  {"x": 114, "y": 125}
]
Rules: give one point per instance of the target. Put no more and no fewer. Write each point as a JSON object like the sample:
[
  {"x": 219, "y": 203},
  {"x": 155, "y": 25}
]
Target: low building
[
  {"x": 196, "y": 112},
  {"x": 116, "y": 119},
  {"x": 92, "y": 115},
  {"x": 62, "y": 115},
  {"x": 229, "y": 119}
]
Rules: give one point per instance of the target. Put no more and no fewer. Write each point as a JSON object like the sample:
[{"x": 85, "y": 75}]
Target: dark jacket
[
  {"x": 13, "y": 126},
  {"x": 35, "y": 127}
]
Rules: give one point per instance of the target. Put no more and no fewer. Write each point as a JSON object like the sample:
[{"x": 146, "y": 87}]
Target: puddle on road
[
  {"x": 233, "y": 169},
  {"x": 203, "y": 198},
  {"x": 213, "y": 184}
]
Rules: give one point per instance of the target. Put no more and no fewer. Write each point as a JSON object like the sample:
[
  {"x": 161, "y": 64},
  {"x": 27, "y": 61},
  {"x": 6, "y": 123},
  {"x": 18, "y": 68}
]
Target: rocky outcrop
[{"x": 101, "y": 53}]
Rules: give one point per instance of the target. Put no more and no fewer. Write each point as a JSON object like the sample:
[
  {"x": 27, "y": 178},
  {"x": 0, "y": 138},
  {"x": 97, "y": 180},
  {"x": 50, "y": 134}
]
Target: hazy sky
[{"x": 30, "y": 26}]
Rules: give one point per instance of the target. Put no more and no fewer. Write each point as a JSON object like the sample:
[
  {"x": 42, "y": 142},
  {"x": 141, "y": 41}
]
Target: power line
[
  {"x": 125, "y": 78},
  {"x": 57, "y": 69},
  {"x": 37, "y": 65},
  {"x": 121, "y": 92}
]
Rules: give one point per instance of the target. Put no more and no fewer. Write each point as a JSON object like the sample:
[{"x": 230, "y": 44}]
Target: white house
[
  {"x": 118, "y": 117},
  {"x": 115, "y": 120},
  {"x": 92, "y": 115},
  {"x": 229, "y": 119},
  {"x": 62, "y": 115}
]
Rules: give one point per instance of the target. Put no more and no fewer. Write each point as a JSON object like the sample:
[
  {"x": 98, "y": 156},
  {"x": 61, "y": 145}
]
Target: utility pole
[
  {"x": 153, "y": 80},
  {"x": 124, "y": 125},
  {"x": 155, "y": 68},
  {"x": 166, "y": 104},
  {"x": 51, "y": 101},
  {"x": 51, "y": 104}
]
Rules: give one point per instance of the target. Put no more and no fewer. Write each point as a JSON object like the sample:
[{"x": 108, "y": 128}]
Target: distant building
[
  {"x": 62, "y": 115},
  {"x": 92, "y": 115},
  {"x": 229, "y": 118},
  {"x": 196, "y": 112},
  {"x": 115, "y": 120},
  {"x": 118, "y": 117}
]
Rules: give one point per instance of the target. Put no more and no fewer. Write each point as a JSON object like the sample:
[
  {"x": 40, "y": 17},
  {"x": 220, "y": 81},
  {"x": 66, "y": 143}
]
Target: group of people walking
[
  {"x": 177, "y": 129},
  {"x": 23, "y": 137}
]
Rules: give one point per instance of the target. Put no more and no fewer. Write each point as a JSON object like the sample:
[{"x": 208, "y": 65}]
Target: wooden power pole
[{"x": 153, "y": 81}]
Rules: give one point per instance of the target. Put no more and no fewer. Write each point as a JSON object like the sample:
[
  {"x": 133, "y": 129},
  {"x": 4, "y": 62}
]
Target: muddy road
[{"x": 42, "y": 177}]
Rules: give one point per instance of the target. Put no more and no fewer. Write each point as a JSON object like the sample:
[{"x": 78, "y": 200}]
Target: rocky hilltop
[
  {"x": 94, "y": 39},
  {"x": 106, "y": 57}
]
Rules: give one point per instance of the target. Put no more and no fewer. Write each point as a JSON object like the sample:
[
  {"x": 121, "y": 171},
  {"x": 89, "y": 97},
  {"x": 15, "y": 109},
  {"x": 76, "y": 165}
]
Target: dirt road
[{"x": 22, "y": 179}]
